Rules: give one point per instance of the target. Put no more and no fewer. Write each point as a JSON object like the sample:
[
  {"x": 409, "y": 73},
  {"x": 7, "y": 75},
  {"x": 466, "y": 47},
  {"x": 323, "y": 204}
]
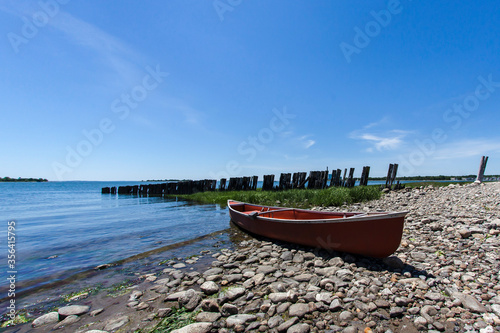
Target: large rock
[
  {"x": 209, "y": 288},
  {"x": 298, "y": 310},
  {"x": 266, "y": 269},
  {"x": 208, "y": 317},
  {"x": 67, "y": 321},
  {"x": 299, "y": 328},
  {"x": 190, "y": 299},
  {"x": 239, "y": 319},
  {"x": 48, "y": 318},
  {"x": 195, "y": 328},
  {"x": 76, "y": 310}
]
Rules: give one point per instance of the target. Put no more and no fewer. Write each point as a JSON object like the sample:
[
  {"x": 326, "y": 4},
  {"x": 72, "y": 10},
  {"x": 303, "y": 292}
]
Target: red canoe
[{"x": 370, "y": 234}]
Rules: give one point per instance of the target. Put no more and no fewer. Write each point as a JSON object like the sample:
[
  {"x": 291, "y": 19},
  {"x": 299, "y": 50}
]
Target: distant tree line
[{"x": 8, "y": 179}]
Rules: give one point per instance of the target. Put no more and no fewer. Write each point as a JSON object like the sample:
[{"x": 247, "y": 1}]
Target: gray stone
[
  {"x": 210, "y": 305},
  {"x": 287, "y": 256},
  {"x": 324, "y": 297},
  {"x": 299, "y": 328},
  {"x": 275, "y": 321},
  {"x": 335, "y": 305},
  {"x": 190, "y": 299},
  {"x": 298, "y": 258},
  {"x": 353, "y": 329},
  {"x": 402, "y": 301},
  {"x": 420, "y": 322},
  {"x": 195, "y": 328},
  {"x": 115, "y": 323},
  {"x": 396, "y": 312},
  {"x": 287, "y": 324},
  {"x": 67, "y": 321},
  {"x": 266, "y": 269},
  {"x": 209, "y": 288},
  {"x": 464, "y": 233},
  {"x": 163, "y": 312},
  {"x": 213, "y": 271},
  {"x": 96, "y": 312},
  {"x": 496, "y": 309},
  {"x": 175, "y": 296},
  {"x": 229, "y": 310},
  {"x": 344, "y": 274},
  {"x": 239, "y": 319},
  {"x": 179, "y": 265},
  {"x": 298, "y": 310},
  {"x": 434, "y": 296},
  {"x": 73, "y": 310},
  {"x": 209, "y": 317},
  {"x": 394, "y": 262},
  {"x": 278, "y": 297},
  {"x": 346, "y": 316},
  {"x": 234, "y": 293},
  {"x": 469, "y": 302},
  {"x": 231, "y": 278},
  {"x": 48, "y": 318},
  {"x": 303, "y": 277}
]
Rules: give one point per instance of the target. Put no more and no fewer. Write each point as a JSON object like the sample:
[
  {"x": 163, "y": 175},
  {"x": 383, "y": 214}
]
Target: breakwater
[{"x": 287, "y": 181}]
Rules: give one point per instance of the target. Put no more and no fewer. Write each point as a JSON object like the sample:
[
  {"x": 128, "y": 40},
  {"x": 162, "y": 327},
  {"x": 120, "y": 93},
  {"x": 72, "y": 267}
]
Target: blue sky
[{"x": 122, "y": 90}]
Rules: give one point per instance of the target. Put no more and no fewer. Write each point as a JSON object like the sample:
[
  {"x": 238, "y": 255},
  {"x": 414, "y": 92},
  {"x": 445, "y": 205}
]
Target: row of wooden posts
[{"x": 287, "y": 181}]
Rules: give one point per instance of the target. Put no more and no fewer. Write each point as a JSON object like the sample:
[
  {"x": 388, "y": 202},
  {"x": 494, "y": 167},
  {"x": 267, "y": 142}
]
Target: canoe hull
[{"x": 374, "y": 235}]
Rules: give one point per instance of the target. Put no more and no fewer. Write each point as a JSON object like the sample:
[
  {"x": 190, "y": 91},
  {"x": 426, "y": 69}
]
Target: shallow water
[{"x": 67, "y": 227}]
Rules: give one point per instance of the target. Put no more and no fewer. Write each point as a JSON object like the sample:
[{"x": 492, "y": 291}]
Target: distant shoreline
[{"x": 23, "y": 180}]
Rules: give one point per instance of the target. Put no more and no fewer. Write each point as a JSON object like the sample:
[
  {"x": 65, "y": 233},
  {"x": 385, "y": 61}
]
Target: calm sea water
[{"x": 70, "y": 226}]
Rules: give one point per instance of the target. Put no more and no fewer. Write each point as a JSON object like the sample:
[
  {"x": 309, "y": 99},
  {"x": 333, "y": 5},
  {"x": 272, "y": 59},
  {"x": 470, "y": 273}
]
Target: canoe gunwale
[{"x": 358, "y": 217}]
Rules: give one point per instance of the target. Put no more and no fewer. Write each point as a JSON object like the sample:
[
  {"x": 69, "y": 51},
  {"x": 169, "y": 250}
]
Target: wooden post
[
  {"x": 350, "y": 180},
  {"x": 222, "y": 185},
  {"x": 364, "y": 176},
  {"x": 268, "y": 184},
  {"x": 482, "y": 168},
  {"x": 394, "y": 173},
  {"x": 255, "y": 180}
]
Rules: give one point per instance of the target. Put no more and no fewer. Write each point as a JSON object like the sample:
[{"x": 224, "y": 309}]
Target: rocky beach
[{"x": 443, "y": 278}]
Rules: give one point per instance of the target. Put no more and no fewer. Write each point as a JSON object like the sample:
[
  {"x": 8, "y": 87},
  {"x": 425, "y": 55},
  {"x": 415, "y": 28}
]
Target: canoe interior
[
  {"x": 289, "y": 213},
  {"x": 375, "y": 234}
]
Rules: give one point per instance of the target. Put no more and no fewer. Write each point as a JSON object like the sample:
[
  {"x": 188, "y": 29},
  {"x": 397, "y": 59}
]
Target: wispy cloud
[
  {"x": 305, "y": 142},
  {"x": 383, "y": 143},
  {"x": 380, "y": 140}
]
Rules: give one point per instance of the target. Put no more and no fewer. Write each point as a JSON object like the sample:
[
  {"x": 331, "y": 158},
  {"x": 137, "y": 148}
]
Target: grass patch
[
  {"x": 84, "y": 292},
  {"x": 18, "y": 319},
  {"x": 177, "y": 319},
  {"x": 119, "y": 289},
  {"x": 333, "y": 196},
  {"x": 434, "y": 184}
]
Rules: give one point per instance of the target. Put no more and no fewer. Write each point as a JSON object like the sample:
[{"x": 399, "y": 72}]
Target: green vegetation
[
  {"x": 434, "y": 184},
  {"x": 18, "y": 319},
  {"x": 333, "y": 196},
  {"x": 177, "y": 319},
  {"x": 82, "y": 293},
  {"x": 119, "y": 289},
  {"x": 8, "y": 179}
]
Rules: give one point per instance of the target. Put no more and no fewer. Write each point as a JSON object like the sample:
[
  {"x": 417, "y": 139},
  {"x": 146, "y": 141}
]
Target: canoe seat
[{"x": 248, "y": 212}]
